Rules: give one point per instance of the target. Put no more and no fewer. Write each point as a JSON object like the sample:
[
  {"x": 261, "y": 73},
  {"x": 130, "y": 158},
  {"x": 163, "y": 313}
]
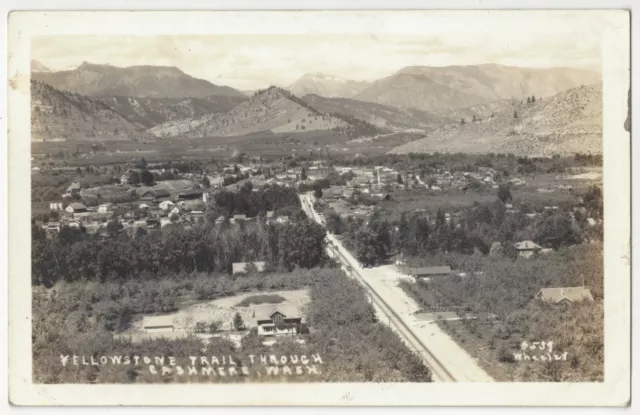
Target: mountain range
[
  {"x": 456, "y": 108},
  {"x": 445, "y": 88},
  {"x": 327, "y": 86},
  {"x": 134, "y": 81}
]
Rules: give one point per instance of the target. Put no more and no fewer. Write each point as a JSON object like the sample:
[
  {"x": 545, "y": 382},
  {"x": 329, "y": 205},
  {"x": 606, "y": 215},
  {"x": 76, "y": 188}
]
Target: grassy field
[{"x": 264, "y": 144}]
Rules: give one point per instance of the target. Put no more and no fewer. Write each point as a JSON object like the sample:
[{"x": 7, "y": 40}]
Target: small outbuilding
[{"x": 151, "y": 324}]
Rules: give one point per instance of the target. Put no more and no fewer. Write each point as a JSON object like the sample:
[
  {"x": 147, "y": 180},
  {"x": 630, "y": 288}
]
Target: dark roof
[{"x": 431, "y": 270}]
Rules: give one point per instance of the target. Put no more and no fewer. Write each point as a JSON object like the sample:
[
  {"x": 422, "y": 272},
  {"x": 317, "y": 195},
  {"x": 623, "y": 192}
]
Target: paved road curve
[{"x": 447, "y": 361}]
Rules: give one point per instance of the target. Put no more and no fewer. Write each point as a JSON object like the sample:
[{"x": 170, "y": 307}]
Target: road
[{"x": 448, "y": 361}]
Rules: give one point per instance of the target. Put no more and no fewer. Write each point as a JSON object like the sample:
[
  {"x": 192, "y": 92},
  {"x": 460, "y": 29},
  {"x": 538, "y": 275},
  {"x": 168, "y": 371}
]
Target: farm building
[
  {"x": 76, "y": 208},
  {"x": 428, "y": 272},
  {"x": 565, "y": 295},
  {"x": 278, "y": 320},
  {"x": 241, "y": 267},
  {"x": 527, "y": 248},
  {"x": 152, "y": 324}
]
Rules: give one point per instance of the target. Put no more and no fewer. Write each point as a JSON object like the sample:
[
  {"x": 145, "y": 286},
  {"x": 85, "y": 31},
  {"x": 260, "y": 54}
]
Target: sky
[{"x": 252, "y": 61}]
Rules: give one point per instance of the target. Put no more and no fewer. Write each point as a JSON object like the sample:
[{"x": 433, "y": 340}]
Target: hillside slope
[
  {"x": 133, "y": 81},
  {"x": 273, "y": 109},
  {"x": 569, "y": 122},
  {"x": 64, "y": 115},
  {"x": 444, "y": 88},
  {"x": 37, "y": 66},
  {"x": 383, "y": 116},
  {"x": 327, "y": 86},
  {"x": 150, "y": 112}
]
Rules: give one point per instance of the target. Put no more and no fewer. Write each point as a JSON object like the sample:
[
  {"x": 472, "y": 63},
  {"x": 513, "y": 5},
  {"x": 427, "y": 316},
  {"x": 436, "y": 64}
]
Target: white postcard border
[{"x": 615, "y": 390}]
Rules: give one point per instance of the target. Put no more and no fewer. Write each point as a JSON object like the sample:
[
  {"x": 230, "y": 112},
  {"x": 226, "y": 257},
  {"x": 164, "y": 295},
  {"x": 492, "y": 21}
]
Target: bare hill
[
  {"x": 133, "y": 81},
  {"x": 273, "y": 109},
  {"x": 65, "y": 115},
  {"x": 444, "y": 88},
  {"x": 568, "y": 122},
  {"x": 150, "y": 112},
  {"x": 38, "y": 67},
  {"x": 383, "y": 116},
  {"x": 326, "y": 86}
]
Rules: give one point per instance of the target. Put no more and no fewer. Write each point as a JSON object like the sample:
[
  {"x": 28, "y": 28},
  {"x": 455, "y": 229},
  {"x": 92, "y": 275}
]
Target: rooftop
[
  {"x": 555, "y": 295},
  {"x": 445, "y": 269}
]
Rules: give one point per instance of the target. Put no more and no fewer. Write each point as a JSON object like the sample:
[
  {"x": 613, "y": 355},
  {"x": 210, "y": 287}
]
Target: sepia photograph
[{"x": 404, "y": 198}]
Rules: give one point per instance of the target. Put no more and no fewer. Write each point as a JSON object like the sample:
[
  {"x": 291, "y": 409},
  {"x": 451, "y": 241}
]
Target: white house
[
  {"x": 76, "y": 208},
  {"x": 105, "y": 208},
  {"x": 166, "y": 205},
  {"x": 152, "y": 324},
  {"x": 278, "y": 320}
]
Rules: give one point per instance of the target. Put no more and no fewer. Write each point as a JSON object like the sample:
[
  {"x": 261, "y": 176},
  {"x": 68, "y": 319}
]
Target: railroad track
[{"x": 439, "y": 371}]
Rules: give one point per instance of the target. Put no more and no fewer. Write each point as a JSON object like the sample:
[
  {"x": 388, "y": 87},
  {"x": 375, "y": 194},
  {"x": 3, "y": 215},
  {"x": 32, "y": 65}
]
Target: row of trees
[{"x": 75, "y": 255}]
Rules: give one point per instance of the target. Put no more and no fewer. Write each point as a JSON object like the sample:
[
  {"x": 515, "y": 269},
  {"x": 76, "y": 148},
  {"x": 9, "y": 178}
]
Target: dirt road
[{"x": 384, "y": 282}]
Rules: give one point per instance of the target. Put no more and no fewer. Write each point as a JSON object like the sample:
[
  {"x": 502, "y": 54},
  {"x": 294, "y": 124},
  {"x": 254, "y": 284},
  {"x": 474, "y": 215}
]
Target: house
[
  {"x": 76, "y": 208},
  {"x": 191, "y": 195},
  {"x": 564, "y": 295},
  {"x": 592, "y": 222},
  {"x": 74, "y": 188},
  {"x": 124, "y": 179},
  {"x": 220, "y": 220},
  {"x": 527, "y": 248},
  {"x": 161, "y": 194},
  {"x": 166, "y": 205},
  {"x": 277, "y": 320},
  {"x": 282, "y": 219},
  {"x": 148, "y": 196},
  {"x": 152, "y": 324},
  {"x": 428, "y": 272},
  {"x": 238, "y": 218},
  {"x": 105, "y": 207},
  {"x": 164, "y": 222},
  {"x": 152, "y": 223},
  {"x": 241, "y": 267},
  {"x": 52, "y": 227}
]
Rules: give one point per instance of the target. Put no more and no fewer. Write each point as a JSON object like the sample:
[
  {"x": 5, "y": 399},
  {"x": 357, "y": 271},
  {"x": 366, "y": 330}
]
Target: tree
[
  {"x": 399, "y": 178},
  {"x": 303, "y": 174},
  {"x": 317, "y": 192},
  {"x": 528, "y": 100},
  {"x": 238, "y": 323},
  {"x": 142, "y": 164},
  {"x": 504, "y": 193},
  {"x": 474, "y": 118},
  {"x": 146, "y": 177},
  {"x": 205, "y": 181},
  {"x": 114, "y": 226},
  {"x": 201, "y": 327},
  {"x": 461, "y": 121},
  {"x": 515, "y": 114},
  {"x": 533, "y": 98},
  {"x": 134, "y": 178}
]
